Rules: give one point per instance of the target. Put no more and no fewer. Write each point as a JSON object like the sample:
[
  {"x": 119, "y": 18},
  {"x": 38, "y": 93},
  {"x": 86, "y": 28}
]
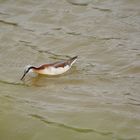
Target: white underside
[{"x": 55, "y": 71}]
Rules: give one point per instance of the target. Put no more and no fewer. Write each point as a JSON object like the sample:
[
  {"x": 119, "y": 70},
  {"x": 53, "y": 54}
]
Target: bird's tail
[{"x": 73, "y": 60}]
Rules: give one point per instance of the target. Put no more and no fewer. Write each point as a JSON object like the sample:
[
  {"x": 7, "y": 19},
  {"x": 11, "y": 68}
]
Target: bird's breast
[{"x": 53, "y": 70}]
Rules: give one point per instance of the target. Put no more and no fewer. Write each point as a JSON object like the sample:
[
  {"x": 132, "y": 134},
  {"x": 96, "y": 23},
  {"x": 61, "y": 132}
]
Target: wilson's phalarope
[{"x": 52, "y": 68}]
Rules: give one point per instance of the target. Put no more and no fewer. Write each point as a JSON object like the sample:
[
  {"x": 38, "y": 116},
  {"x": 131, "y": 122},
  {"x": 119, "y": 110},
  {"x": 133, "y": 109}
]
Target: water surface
[{"x": 98, "y": 98}]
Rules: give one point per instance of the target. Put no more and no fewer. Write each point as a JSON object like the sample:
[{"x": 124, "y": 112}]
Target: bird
[{"x": 55, "y": 68}]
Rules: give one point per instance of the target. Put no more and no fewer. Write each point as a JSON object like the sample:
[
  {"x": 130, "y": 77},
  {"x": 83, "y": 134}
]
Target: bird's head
[{"x": 27, "y": 69}]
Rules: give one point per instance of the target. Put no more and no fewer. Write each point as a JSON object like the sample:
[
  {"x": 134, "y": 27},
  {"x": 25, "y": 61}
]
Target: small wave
[
  {"x": 12, "y": 83},
  {"x": 77, "y": 129}
]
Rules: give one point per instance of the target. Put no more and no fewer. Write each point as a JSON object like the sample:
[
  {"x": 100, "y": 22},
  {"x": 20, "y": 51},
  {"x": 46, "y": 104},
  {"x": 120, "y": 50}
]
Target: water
[{"x": 98, "y": 98}]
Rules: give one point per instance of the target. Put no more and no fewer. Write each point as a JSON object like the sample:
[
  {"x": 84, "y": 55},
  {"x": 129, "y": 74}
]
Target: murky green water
[{"x": 99, "y": 98}]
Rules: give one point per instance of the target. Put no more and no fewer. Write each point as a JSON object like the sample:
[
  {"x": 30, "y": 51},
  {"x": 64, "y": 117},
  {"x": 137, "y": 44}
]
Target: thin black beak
[{"x": 23, "y": 76}]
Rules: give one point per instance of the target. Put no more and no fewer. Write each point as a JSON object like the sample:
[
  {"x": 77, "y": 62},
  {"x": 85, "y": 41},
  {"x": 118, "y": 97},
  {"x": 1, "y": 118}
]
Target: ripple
[
  {"x": 79, "y": 2},
  {"x": 8, "y": 22},
  {"x": 62, "y": 125},
  {"x": 12, "y": 83}
]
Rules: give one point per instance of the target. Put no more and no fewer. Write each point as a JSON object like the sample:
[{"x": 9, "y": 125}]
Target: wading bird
[{"x": 52, "y": 68}]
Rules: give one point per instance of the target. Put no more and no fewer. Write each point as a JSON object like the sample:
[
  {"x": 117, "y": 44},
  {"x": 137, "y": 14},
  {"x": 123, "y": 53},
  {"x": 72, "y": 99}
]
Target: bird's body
[{"x": 52, "y": 68}]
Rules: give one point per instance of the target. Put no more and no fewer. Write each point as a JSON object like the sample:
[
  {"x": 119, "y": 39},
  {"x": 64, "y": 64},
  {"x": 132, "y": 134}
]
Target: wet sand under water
[{"x": 98, "y": 98}]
